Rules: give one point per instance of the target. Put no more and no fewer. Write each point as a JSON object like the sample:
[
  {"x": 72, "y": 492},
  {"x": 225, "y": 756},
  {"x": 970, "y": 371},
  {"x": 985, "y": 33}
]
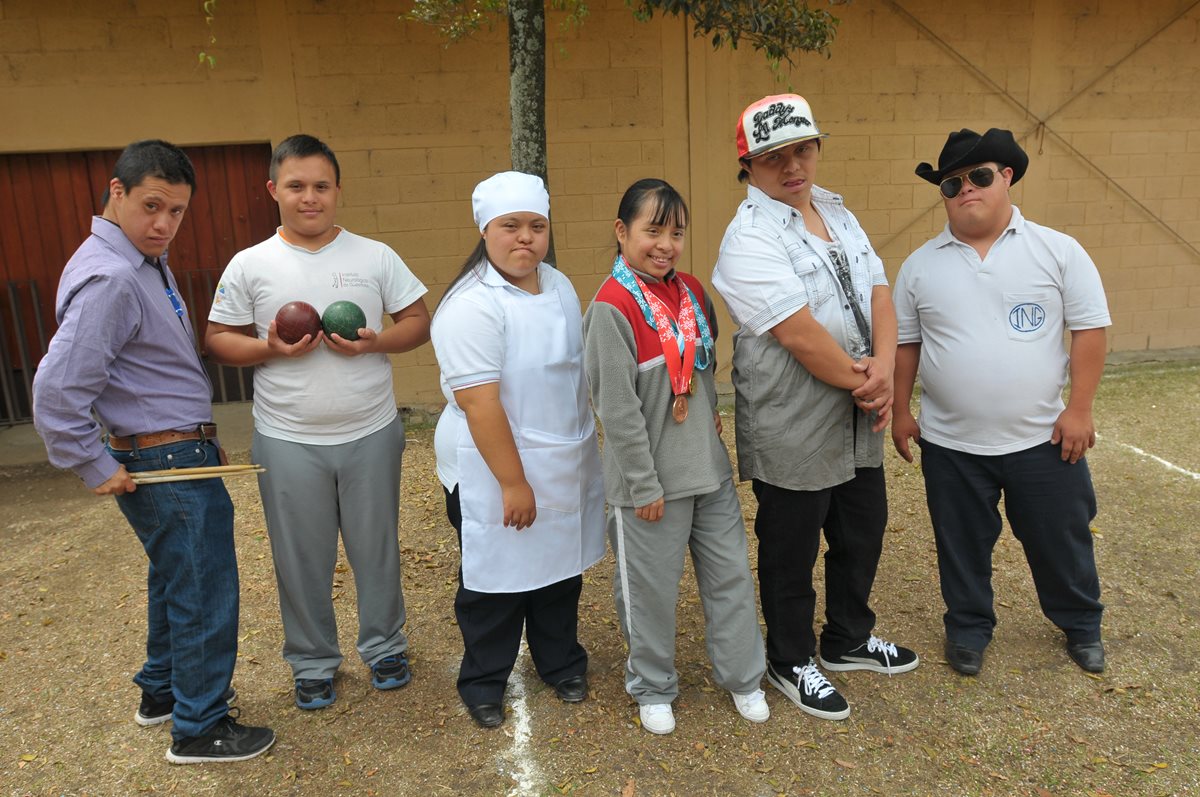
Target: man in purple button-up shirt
[{"x": 124, "y": 354}]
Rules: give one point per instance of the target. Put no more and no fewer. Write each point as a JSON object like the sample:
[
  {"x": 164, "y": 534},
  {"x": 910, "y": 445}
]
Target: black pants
[
  {"x": 788, "y": 526},
  {"x": 491, "y": 624},
  {"x": 1049, "y": 505}
]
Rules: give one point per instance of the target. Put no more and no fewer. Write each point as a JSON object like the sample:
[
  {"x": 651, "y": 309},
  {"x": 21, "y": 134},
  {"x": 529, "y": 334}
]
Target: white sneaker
[
  {"x": 657, "y": 717},
  {"x": 752, "y": 705}
]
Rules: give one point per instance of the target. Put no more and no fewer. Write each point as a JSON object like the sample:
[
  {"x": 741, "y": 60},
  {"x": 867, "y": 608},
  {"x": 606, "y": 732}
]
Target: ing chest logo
[
  {"x": 349, "y": 279},
  {"x": 1027, "y": 317}
]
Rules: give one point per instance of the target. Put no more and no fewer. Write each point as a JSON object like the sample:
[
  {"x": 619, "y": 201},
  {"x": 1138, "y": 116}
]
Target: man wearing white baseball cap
[{"x": 812, "y": 371}]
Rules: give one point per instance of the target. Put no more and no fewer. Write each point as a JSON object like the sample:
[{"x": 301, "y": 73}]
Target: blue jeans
[{"x": 186, "y": 528}]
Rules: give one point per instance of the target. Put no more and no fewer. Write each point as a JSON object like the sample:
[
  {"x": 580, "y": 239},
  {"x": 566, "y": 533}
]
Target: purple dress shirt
[{"x": 123, "y": 350}]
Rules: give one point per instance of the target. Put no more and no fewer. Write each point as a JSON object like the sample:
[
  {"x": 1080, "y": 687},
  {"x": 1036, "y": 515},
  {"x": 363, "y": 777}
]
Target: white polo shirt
[{"x": 993, "y": 361}]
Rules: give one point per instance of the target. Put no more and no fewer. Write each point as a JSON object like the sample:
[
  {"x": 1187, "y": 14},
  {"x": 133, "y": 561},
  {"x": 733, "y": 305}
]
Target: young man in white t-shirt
[
  {"x": 982, "y": 309},
  {"x": 326, "y": 426}
]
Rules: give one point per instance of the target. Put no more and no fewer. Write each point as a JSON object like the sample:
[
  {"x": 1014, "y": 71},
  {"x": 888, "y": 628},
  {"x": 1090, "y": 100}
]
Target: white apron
[{"x": 544, "y": 392}]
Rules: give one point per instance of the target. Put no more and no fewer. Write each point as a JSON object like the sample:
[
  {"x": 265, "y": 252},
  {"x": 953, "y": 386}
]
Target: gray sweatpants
[
  {"x": 308, "y": 493},
  {"x": 646, "y": 588}
]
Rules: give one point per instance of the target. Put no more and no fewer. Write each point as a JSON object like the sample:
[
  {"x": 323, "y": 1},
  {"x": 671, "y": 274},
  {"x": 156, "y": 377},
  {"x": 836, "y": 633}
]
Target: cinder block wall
[{"x": 1105, "y": 96}]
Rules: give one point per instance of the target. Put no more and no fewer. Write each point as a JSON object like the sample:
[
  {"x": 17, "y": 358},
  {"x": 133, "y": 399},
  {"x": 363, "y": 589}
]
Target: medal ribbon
[
  {"x": 678, "y": 340},
  {"x": 659, "y": 319}
]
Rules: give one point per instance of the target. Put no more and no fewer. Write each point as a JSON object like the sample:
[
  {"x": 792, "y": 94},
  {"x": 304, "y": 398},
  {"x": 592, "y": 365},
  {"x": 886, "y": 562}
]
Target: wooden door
[{"x": 46, "y": 204}]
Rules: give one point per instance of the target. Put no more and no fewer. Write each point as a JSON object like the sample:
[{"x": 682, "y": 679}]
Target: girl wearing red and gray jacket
[{"x": 650, "y": 356}]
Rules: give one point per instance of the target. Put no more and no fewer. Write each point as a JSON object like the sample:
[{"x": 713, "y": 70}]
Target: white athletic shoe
[
  {"x": 657, "y": 717},
  {"x": 752, "y": 705}
]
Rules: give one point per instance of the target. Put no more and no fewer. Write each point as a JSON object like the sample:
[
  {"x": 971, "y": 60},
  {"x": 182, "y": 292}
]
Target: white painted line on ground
[
  {"x": 525, "y": 770},
  {"x": 1159, "y": 460}
]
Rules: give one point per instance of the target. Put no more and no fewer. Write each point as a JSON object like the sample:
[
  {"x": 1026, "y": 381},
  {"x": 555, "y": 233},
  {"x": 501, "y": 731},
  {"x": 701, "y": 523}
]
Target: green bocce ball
[{"x": 343, "y": 318}]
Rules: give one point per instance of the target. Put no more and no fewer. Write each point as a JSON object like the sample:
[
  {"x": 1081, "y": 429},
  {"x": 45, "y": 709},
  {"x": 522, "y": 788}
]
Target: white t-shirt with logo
[
  {"x": 322, "y": 398},
  {"x": 993, "y": 360}
]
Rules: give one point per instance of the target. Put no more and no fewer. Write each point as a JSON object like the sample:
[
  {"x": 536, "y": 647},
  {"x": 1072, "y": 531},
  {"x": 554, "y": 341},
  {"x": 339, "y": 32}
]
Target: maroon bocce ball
[{"x": 295, "y": 320}]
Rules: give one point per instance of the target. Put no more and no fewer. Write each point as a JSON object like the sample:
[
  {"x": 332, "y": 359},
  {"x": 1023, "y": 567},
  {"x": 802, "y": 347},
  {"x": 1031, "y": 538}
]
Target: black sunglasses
[{"x": 980, "y": 177}]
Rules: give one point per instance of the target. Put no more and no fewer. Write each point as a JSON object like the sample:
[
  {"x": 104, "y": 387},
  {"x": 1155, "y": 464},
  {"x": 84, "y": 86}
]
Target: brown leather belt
[{"x": 205, "y": 431}]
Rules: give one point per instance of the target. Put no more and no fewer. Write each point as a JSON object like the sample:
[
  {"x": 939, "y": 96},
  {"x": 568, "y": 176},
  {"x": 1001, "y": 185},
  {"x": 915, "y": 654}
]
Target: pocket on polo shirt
[
  {"x": 1027, "y": 315},
  {"x": 815, "y": 279}
]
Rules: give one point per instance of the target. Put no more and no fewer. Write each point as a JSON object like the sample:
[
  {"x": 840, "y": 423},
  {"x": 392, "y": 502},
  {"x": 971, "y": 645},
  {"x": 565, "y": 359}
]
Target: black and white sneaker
[
  {"x": 876, "y": 655},
  {"x": 228, "y": 740},
  {"x": 153, "y": 712},
  {"x": 809, "y": 689}
]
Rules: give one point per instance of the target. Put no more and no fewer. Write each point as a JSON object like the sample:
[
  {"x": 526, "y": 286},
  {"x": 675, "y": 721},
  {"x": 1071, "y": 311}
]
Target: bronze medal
[{"x": 679, "y": 409}]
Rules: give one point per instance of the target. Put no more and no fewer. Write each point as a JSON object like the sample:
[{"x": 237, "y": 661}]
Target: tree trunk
[{"x": 527, "y": 89}]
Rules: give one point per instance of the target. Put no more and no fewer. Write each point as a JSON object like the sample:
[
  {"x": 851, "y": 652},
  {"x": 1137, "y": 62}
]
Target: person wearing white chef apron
[{"x": 517, "y": 453}]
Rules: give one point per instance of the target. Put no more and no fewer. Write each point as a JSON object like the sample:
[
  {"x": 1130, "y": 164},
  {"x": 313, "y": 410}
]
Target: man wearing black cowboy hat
[{"x": 981, "y": 309}]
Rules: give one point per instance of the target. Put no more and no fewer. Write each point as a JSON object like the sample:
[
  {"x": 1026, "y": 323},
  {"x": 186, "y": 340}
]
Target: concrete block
[
  {"x": 488, "y": 114},
  {"x": 387, "y": 89},
  {"x": 24, "y": 35},
  {"x": 402, "y": 217},
  {"x": 564, "y": 85},
  {"x": 571, "y": 208},
  {"x": 381, "y": 29},
  {"x": 322, "y": 30},
  {"x": 332, "y": 91},
  {"x": 56, "y": 35},
  {"x": 885, "y": 197},
  {"x": 888, "y": 147},
  {"x": 1184, "y": 318},
  {"x": 399, "y": 161},
  {"x": 1147, "y": 321},
  {"x": 362, "y": 121},
  {"x": 456, "y": 159},
  {"x": 611, "y": 83},
  {"x": 1121, "y": 234},
  {"x": 413, "y": 118},
  {"x": 361, "y": 220},
  {"x": 569, "y": 154},
  {"x": 354, "y": 164},
  {"x": 589, "y": 234},
  {"x": 583, "y": 55},
  {"x": 615, "y": 153},
  {"x": 1181, "y": 210},
  {"x": 433, "y": 187},
  {"x": 1130, "y": 341},
  {"x": 890, "y": 80},
  {"x": 1061, "y": 214},
  {"x": 652, "y": 154},
  {"x": 588, "y": 180},
  {"x": 371, "y": 191},
  {"x": 643, "y": 111},
  {"x": 586, "y": 113}
]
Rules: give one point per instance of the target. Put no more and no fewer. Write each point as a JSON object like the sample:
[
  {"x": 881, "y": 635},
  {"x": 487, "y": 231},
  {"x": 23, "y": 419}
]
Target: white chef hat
[{"x": 509, "y": 192}]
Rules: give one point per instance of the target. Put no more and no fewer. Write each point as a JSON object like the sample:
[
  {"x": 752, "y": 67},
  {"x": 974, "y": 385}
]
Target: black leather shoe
[
  {"x": 1088, "y": 655},
  {"x": 963, "y": 659},
  {"x": 487, "y": 715},
  {"x": 573, "y": 689}
]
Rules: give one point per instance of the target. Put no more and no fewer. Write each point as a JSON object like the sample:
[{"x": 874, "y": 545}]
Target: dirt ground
[{"x": 72, "y": 624}]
